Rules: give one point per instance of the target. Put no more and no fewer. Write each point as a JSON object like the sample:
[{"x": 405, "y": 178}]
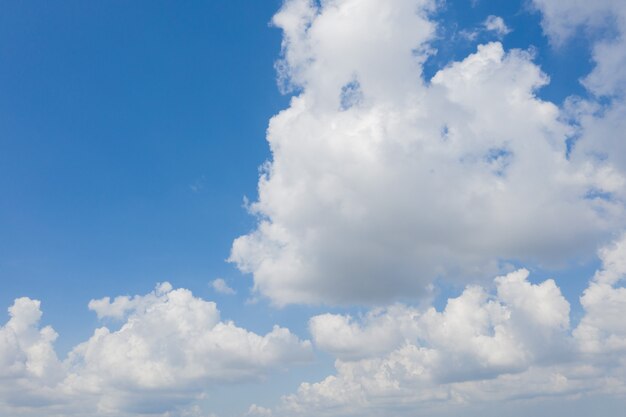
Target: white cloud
[
  {"x": 605, "y": 20},
  {"x": 492, "y": 23},
  {"x": 562, "y": 18},
  {"x": 474, "y": 330},
  {"x": 29, "y": 367},
  {"x": 220, "y": 286},
  {"x": 124, "y": 304},
  {"x": 603, "y": 329},
  {"x": 412, "y": 181},
  {"x": 496, "y": 24},
  {"x": 258, "y": 411},
  {"x": 171, "y": 348},
  {"x": 601, "y": 118},
  {"x": 371, "y": 196},
  {"x": 381, "y": 182},
  {"x": 380, "y": 331},
  {"x": 600, "y": 123},
  {"x": 496, "y": 347}
]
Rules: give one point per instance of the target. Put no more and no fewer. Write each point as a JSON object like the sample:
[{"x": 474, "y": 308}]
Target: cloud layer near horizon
[
  {"x": 484, "y": 347},
  {"x": 514, "y": 341},
  {"x": 169, "y": 350},
  {"x": 381, "y": 182}
]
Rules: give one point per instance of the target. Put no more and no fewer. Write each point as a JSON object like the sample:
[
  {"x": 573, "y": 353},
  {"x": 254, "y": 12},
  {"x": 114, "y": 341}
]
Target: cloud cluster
[
  {"x": 381, "y": 182},
  {"x": 513, "y": 343},
  {"x": 601, "y": 118},
  {"x": 170, "y": 348}
]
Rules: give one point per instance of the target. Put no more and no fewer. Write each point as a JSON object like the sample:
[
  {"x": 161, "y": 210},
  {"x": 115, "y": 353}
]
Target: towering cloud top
[{"x": 382, "y": 181}]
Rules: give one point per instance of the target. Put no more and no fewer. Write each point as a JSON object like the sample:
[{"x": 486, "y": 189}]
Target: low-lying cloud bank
[
  {"x": 171, "y": 348},
  {"x": 498, "y": 347},
  {"x": 490, "y": 345}
]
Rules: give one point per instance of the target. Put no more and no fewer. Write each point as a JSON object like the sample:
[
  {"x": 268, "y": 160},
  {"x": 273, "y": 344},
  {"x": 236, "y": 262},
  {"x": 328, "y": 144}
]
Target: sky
[{"x": 299, "y": 208}]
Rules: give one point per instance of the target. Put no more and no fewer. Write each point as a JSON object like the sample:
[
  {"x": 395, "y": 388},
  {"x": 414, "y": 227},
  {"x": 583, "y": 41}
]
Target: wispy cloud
[
  {"x": 496, "y": 24},
  {"x": 220, "y": 286},
  {"x": 198, "y": 185}
]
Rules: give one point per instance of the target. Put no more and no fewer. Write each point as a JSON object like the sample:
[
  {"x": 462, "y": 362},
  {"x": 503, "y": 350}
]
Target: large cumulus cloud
[{"x": 381, "y": 181}]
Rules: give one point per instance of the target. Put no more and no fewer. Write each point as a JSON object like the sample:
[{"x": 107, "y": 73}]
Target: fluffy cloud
[
  {"x": 124, "y": 304},
  {"x": 380, "y": 331},
  {"x": 171, "y": 347},
  {"x": 220, "y": 286},
  {"x": 515, "y": 342},
  {"x": 29, "y": 367},
  {"x": 257, "y": 411},
  {"x": 601, "y": 117},
  {"x": 603, "y": 330},
  {"x": 381, "y": 181},
  {"x": 475, "y": 334},
  {"x": 449, "y": 176},
  {"x": 496, "y": 24},
  {"x": 175, "y": 342}
]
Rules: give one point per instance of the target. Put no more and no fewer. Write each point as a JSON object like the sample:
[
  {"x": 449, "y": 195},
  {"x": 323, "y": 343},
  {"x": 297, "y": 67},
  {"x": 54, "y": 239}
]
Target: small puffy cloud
[
  {"x": 258, "y": 411},
  {"x": 123, "y": 304},
  {"x": 171, "y": 347},
  {"x": 220, "y": 286},
  {"x": 496, "y": 24}
]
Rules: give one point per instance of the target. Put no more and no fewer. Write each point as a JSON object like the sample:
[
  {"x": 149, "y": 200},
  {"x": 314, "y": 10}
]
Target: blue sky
[
  {"x": 134, "y": 150},
  {"x": 110, "y": 114}
]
